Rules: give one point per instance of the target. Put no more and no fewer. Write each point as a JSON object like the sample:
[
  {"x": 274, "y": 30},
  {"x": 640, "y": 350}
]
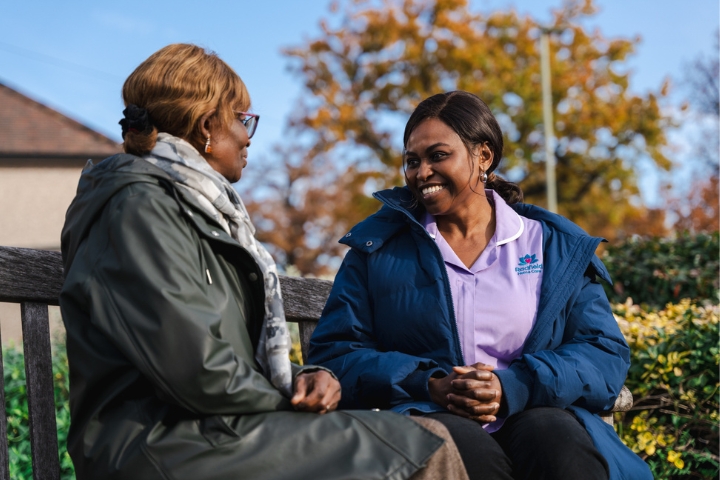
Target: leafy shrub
[
  {"x": 16, "y": 409},
  {"x": 658, "y": 271},
  {"x": 295, "y": 350},
  {"x": 674, "y": 378}
]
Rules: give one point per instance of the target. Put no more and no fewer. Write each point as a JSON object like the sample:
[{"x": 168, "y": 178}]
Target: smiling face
[
  {"x": 440, "y": 171},
  {"x": 229, "y": 149}
]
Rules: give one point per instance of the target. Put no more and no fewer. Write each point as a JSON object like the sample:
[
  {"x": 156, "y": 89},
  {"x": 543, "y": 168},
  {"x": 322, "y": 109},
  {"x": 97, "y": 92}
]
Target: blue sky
[{"x": 74, "y": 55}]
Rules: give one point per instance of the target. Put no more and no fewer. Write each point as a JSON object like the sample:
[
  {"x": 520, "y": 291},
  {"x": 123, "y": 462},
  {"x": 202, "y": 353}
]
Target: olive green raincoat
[{"x": 162, "y": 311}]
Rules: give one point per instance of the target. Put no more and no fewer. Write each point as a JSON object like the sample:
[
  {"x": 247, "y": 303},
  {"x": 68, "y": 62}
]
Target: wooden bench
[{"x": 33, "y": 278}]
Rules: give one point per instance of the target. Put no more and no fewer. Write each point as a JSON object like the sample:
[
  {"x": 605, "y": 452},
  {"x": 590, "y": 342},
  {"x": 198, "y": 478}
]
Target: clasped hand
[
  {"x": 472, "y": 392},
  {"x": 316, "y": 391}
]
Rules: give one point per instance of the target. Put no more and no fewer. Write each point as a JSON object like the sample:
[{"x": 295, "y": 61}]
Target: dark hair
[
  {"x": 176, "y": 86},
  {"x": 475, "y": 124}
]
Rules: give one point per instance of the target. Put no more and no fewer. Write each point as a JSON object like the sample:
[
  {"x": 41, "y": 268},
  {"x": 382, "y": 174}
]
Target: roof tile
[{"x": 28, "y": 127}]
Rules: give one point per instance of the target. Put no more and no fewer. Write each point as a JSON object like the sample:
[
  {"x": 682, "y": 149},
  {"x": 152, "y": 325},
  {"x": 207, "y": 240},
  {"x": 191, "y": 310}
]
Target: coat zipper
[{"x": 443, "y": 271}]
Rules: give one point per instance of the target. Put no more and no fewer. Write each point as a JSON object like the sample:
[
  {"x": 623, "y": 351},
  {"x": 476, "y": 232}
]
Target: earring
[
  {"x": 483, "y": 177},
  {"x": 208, "y": 147}
]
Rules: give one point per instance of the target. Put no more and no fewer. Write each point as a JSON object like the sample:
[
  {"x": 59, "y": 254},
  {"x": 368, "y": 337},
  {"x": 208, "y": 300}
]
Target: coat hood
[
  {"x": 98, "y": 183},
  {"x": 399, "y": 208}
]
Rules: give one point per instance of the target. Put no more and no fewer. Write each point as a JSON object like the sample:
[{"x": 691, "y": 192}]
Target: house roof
[{"x": 31, "y": 130}]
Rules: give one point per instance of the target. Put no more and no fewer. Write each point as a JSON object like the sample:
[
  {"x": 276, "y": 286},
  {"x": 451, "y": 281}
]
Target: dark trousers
[{"x": 539, "y": 443}]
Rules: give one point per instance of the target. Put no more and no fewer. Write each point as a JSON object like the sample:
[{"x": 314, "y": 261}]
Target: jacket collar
[
  {"x": 97, "y": 185},
  {"x": 400, "y": 211}
]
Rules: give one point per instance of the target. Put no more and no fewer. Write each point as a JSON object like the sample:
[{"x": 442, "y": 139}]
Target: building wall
[
  {"x": 11, "y": 326},
  {"x": 33, "y": 202}
]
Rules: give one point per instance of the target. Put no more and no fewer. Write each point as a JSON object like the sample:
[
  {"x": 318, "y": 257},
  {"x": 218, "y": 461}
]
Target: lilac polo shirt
[{"x": 496, "y": 300}]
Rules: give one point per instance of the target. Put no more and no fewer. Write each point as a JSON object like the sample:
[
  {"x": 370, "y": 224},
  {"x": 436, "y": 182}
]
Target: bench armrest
[{"x": 623, "y": 403}]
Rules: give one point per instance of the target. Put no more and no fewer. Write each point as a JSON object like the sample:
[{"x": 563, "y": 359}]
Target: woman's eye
[
  {"x": 411, "y": 162},
  {"x": 435, "y": 156}
]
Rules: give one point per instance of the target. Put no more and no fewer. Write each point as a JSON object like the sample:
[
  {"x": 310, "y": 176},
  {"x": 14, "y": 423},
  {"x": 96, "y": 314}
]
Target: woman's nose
[{"x": 424, "y": 170}]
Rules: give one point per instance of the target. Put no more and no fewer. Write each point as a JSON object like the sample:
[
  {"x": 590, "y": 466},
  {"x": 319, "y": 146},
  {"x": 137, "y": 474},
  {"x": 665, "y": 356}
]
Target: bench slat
[
  {"x": 40, "y": 391},
  {"x": 306, "y": 330},
  {"x": 28, "y": 275},
  {"x": 304, "y": 298}
]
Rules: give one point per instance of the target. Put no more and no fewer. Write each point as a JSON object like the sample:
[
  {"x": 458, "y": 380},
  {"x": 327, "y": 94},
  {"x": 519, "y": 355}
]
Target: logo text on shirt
[{"x": 528, "y": 264}]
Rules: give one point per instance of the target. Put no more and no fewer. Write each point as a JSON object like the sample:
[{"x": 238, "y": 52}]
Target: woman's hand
[
  {"x": 476, "y": 394},
  {"x": 316, "y": 391},
  {"x": 441, "y": 388}
]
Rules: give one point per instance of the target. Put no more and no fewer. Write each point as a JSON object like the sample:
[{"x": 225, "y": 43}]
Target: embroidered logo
[
  {"x": 528, "y": 264},
  {"x": 527, "y": 260}
]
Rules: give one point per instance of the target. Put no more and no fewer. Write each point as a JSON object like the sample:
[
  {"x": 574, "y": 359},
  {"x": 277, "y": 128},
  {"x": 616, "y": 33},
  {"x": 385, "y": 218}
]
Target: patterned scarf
[{"x": 191, "y": 172}]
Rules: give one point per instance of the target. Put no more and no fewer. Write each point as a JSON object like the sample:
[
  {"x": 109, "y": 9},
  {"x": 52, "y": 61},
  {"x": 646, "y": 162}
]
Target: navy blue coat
[{"x": 389, "y": 325}]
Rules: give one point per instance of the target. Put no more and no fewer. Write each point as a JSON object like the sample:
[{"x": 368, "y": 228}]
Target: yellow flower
[{"x": 675, "y": 458}]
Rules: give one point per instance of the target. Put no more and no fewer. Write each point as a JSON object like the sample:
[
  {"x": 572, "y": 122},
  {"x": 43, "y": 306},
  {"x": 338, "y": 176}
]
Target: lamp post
[{"x": 548, "y": 118}]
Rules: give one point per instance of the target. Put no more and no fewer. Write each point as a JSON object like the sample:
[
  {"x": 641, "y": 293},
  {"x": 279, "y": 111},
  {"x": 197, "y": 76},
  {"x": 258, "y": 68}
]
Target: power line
[{"x": 43, "y": 58}]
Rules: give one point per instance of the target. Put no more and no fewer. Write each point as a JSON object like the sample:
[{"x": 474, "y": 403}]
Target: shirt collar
[{"x": 508, "y": 224}]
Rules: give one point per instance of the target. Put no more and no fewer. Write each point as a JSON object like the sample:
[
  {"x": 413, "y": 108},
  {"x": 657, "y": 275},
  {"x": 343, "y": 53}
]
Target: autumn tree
[
  {"x": 703, "y": 86},
  {"x": 698, "y": 210},
  {"x": 292, "y": 199},
  {"x": 376, "y": 60}
]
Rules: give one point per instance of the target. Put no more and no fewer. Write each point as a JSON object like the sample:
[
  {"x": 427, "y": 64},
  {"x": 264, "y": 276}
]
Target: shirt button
[
  {"x": 253, "y": 276},
  {"x": 215, "y": 234},
  {"x": 189, "y": 213},
  {"x": 369, "y": 243},
  {"x": 348, "y": 235}
]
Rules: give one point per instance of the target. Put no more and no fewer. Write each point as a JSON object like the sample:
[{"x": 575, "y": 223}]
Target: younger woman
[{"x": 454, "y": 271}]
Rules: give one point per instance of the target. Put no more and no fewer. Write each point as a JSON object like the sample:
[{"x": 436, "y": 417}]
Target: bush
[
  {"x": 674, "y": 379},
  {"x": 295, "y": 350},
  {"x": 16, "y": 409},
  {"x": 659, "y": 271}
]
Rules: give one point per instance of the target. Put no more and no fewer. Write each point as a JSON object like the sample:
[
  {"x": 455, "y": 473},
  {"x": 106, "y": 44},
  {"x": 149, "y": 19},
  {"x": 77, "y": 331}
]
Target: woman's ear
[
  {"x": 485, "y": 156},
  {"x": 204, "y": 123}
]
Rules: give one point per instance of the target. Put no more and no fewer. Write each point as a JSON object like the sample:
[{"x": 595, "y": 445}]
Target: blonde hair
[{"x": 177, "y": 85}]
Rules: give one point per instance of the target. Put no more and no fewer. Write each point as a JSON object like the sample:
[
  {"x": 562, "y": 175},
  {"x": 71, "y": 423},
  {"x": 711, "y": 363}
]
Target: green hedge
[
  {"x": 674, "y": 381},
  {"x": 658, "y": 271},
  {"x": 17, "y": 412}
]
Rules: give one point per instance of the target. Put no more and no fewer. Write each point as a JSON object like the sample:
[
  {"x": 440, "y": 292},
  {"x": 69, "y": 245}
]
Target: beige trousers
[{"x": 445, "y": 464}]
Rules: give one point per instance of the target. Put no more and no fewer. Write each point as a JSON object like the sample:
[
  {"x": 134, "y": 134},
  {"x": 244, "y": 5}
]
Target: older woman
[
  {"x": 176, "y": 335},
  {"x": 459, "y": 302}
]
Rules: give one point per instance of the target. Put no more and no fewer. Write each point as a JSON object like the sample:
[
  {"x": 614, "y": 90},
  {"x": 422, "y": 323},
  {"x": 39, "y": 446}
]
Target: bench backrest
[{"x": 33, "y": 278}]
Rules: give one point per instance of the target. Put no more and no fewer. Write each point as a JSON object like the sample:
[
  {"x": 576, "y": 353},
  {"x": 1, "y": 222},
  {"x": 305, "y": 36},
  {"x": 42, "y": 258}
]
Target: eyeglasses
[{"x": 250, "y": 120}]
